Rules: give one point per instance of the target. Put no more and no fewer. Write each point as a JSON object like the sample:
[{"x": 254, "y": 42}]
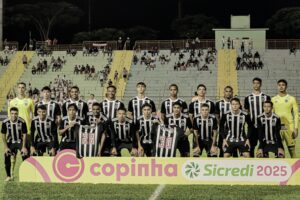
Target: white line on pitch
[{"x": 157, "y": 192}]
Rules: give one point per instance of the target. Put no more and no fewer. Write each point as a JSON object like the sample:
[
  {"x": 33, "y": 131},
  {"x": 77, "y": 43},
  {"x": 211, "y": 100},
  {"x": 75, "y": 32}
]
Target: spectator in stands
[
  {"x": 135, "y": 59},
  {"x": 109, "y": 82},
  {"x": 293, "y": 50},
  {"x": 238, "y": 62},
  {"x": 116, "y": 75},
  {"x": 25, "y": 60},
  {"x": 119, "y": 43},
  {"x": 6, "y": 61},
  {"x": 228, "y": 42},
  {"x": 125, "y": 73},
  {"x": 127, "y": 44},
  {"x": 223, "y": 42}
]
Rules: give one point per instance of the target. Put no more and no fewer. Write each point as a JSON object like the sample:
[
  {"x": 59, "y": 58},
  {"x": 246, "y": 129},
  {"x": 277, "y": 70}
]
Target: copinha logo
[
  {"x": 67, "y": 167},
  {"x": 192, "y": 170}
]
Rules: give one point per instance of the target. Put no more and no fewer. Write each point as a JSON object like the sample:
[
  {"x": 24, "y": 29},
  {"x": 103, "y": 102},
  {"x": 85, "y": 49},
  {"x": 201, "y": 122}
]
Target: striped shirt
[
  {"x": 122, "y": 132},
  {"x": 183, "y": 121},
  {"x": 167, "y": 106},
  {"x": 70, "y": 135},
  {"x": 135, "y": 106},
  {"x": 109, "y": 108},
  {"x": 205, "y": 126},
  {"x": 53, "y": 109},
  {"x": 222, "y": 107},
  {"x": 195, "y": 107},
  {"x": 81, "y": 105},
  {"x": 144, "y": 127},
  {"x": 254, "y": 103},
  {"x": 43, "y": 130},
  {"x": 14, "y": 130}
]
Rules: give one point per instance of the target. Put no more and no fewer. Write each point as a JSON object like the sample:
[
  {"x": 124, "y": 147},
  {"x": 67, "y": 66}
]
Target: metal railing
[{"x": 282, "y": 43}]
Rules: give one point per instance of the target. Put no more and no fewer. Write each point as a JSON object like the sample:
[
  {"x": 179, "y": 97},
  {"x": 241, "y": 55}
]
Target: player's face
[
  {"x": 201, "y": 91},
  {"x": 21, "y": 89},
  {"x": 267, "y": 108},
  {"x": 281, "y": 87},
  {"x": 14, "y": 115},
  {"x": 111, "y": 92},
  {"x": 235, "y": 106},
  {"x": 74, "y": 93},
  {"x": 228, "y": 93},
  {"x": 256, "y": 85},
  {"x": 121, "y": 115},
  {"x": 176, "y": 109},
  {"x": 46, "y": 94},
  {"x": 147, "y": 111},
  {"x": 72, "y": 112},
  {"x": 96, "y": 110},
  {"x": 173, "y": 91},
  {"x": 42, "y": 114},
  {"x": 141, "y": 89},
  {"x": 204, "y": 111}
]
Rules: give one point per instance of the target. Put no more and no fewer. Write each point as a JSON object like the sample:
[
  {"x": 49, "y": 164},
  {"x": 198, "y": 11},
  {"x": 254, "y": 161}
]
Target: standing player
[
  {"x": 43, "y": 133},
  {"x": 254, "y": 106},
  {"x": 53, "y": 109},
  {"x": 25, "y": 107},
  {"x": 167, "y": 105},
  {"x": 269, "y": 125},
  {"x": 177, "y": 118},
  {"x": 122, "y": 133},
  {"x": 96, "y": 118},
  {"x": 69, "y": 128},
  {"x": 286, "y": 107},
  {"x": 232, "y": 126},
  {"x": 82, "y": 106},
  {"x": 110, "y": 105},
  {"x": 222, "y": 107},
  {"x": 205, "y": 133},
  {"x": 195, "y": 106},
  {"x": 14, "y": 133},
  {"x": 144, "y": 126},
  {"x": 135, "y": 104}
]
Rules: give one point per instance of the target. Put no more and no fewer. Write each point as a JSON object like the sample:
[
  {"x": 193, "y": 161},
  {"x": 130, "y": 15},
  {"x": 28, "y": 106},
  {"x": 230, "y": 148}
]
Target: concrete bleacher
[
  {"x": 86, "y": 86},
  {"x": 278, "y": 64},
  {"x": 159, "y": 79}
]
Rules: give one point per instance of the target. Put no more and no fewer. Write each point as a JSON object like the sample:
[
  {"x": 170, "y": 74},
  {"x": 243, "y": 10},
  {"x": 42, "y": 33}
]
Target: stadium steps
[
  {"x": 227, "y": 74},
  {"x": 12, "y": 74}
]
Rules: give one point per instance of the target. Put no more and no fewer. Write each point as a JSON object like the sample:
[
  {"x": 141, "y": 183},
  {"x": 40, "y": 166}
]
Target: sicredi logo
[
  {"x": 67, "y": 167},
  {"x": 237, "y": 170}
]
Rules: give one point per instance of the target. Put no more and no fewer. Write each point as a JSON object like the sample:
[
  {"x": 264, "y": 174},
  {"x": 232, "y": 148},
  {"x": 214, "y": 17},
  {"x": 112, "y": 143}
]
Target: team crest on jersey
[{"x": 286, "y": 100}]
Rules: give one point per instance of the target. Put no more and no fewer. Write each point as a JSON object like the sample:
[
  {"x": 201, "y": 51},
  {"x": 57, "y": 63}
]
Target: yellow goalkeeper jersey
[
  {"x": 25, "y": 107},
  {"x": 286, "y": 108}
]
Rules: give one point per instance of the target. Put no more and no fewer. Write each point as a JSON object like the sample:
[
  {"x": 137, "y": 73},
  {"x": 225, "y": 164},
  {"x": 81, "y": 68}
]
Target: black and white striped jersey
[
  {"x": 183, "y": 121},
  {"x": 233, "y": 126},
  {"x": 70, "y": 135},
  {"x": 43, "y": 131},
  {"x": 109, "y": 108},
  {"x": 166, "y": 140},
  {"x": 14, "y": 130},
  {"x": 81, "y": 105},
  {"x": 88, "y": 140},
  {"x": 135, "y": 106},
  {"x": 205, "y": 126},
  {"x": 269, "y": 130},
  {"x": 254, "y": 104},
  {"x": 195, "y": 107},
  {"x": 92, "y": 119},
  {"x": 222, "y": 107},
  {"x": 53, "y": 109},
  {"x": 122, "y": 132},
  {"x": 144, "y": 127},
  {"x": 167, "y": 106}
]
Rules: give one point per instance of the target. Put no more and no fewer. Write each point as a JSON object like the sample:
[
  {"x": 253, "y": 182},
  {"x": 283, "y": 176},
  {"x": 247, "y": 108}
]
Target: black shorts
[
  {"x": 233, "y": 146},
  {"x": 106, "y": 147},
  {"x": 67, "y": 145},
  {"x": 183, "y": 146},
  {"x": 14, "y": 147},
  {"x": 254, "y": 137},
  {"x": 123, "y": 145},
  {"x": 42, "y": 147},
  {"x": 273, "y": 148},
  {"x": 206, "y": 144},
  {"x": 148, "y": 149}
]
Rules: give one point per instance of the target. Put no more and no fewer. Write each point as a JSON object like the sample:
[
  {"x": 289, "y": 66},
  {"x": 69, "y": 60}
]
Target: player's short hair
[
  {"x": 205, "y": 105},
  {"x": 201, "y": 85},
  {"x": 228, "y": 87},
  {"x": 257, "y": 79},
  {"x": 173, "y": 85},
  {"x": 14, "y": 109},
  {"x": 269, "y": 102},
  {"x": 111, "y": 86},
  {"x": 146, "y": 105},
  {"x": 282, "y": 81},
  {"x": 75, "y": 87},
  {"x": 96, "y": 104},
  {"x": 141, "y": 83},
  {"x": 46, "y": 88},
  {"x": 42, "y": 107},
  {"x": 73, "y": 105},
  {"x": 22, "y": 83},
  {"x": 92, "y": 95},
  {"x": 177, "y": 104},
  {"x": 122, "y": 109},
  {"x": 236, "y": 100}
]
